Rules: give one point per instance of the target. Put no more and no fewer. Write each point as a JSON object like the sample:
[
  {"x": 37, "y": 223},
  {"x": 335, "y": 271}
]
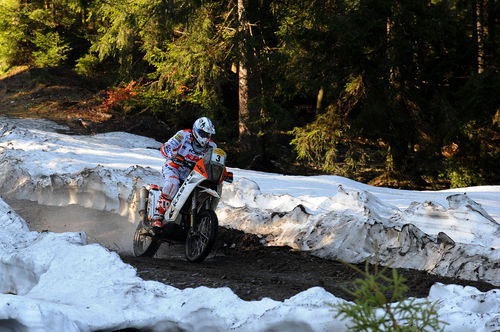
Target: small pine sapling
[{"x": 379, "y": 305}]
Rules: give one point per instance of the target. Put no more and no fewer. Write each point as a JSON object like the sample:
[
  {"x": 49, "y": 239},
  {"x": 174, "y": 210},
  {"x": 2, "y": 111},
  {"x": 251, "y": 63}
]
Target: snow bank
[
  {"x": 100, "y": 172},
  {"x": 461, "y": 241}
]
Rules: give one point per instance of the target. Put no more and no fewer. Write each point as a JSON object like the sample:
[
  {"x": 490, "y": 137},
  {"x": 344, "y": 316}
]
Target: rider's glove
[{"x": 178, "y": 160}]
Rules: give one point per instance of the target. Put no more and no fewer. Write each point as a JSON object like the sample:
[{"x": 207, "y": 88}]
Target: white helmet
[{"x": 202, "y": 130}]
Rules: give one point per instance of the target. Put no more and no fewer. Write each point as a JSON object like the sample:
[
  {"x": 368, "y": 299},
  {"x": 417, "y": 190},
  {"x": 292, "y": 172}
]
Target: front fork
[{"x": 193, "y": 208}]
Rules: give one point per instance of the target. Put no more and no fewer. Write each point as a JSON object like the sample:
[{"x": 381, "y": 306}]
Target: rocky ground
[{"x": 239, "y": 261}]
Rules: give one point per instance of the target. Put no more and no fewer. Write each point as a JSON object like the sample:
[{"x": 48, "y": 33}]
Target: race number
[{"x": 219, "y": 157}]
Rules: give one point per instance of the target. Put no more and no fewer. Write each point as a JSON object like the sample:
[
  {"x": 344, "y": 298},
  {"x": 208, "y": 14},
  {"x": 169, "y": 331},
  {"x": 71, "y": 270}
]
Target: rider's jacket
[{"x": 182, "y": 143}]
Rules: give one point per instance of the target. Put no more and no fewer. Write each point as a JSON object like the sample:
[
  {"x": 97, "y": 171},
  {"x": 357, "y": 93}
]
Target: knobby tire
[
  {"x": 145, "y": 244},
  {"x": 199, "y": 242}
]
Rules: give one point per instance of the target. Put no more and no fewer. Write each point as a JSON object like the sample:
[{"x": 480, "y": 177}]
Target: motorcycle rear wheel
[
  {"x": 145, "y": 243},
  {"x": 200, "y": 241}
]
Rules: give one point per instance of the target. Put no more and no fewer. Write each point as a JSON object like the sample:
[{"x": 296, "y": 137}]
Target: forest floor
[
  {"x": 239, "y": 261},
  {"x": 63, "y": 96}
]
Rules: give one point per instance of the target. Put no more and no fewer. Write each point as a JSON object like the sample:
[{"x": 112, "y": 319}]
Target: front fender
[{"x": 192, "y": 181}]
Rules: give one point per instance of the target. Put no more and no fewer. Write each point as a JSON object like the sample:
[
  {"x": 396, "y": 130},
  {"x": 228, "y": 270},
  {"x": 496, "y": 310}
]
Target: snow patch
[
  {"x": 20, "y": 271},
  {"x": 95, "y": 188},
  {"x": 465, "y": 308}
]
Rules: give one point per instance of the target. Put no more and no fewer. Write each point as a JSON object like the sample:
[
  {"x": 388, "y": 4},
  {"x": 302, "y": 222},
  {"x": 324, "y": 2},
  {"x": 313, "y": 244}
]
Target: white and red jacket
[{"x": 182, "y": 143}]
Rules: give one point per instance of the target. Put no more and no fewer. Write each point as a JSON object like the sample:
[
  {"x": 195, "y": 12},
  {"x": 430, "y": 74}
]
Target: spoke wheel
[
  {"x": 145, "y": 243},
  {"x": 200, "y": 240}
]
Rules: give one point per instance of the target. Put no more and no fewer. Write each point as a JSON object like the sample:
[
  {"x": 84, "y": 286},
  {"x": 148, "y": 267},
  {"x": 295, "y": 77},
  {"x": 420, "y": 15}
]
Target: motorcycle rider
[{"x": 187, "y": 144}]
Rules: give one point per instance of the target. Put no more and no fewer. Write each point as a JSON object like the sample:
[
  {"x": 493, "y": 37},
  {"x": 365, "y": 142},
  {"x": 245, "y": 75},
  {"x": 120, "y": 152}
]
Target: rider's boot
[{"x": 161, "y": 208}]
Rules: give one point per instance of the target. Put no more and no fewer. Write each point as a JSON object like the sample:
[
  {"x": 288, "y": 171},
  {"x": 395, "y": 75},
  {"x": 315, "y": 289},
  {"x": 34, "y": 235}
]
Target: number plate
[{"x": 219, "y": 157}]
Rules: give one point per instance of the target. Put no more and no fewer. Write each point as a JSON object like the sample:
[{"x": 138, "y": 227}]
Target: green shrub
[
  {"x": 87, "y": 64},
  {"x": 461, "y": 177},
  {"x": 52, "y": 51},
  {"x": 379, "y": 305}
]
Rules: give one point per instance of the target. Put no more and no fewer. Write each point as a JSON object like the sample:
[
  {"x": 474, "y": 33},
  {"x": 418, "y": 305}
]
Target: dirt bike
[{"x": 190, "y": 219}]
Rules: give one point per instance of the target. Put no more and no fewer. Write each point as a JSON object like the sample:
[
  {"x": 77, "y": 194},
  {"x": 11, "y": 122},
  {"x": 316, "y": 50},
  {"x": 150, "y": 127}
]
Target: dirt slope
[{"x": 61, "y": 95}]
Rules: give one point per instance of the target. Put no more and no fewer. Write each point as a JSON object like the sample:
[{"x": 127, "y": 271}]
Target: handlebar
[
  {"x": 188, "y": 163},
  {"x": 180, "y": 161},
  {"x": 184, "y": 163}
]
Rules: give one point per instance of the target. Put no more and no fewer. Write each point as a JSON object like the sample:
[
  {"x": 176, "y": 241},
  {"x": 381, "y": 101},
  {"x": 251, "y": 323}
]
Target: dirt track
[{"x": 253, "y": 271}]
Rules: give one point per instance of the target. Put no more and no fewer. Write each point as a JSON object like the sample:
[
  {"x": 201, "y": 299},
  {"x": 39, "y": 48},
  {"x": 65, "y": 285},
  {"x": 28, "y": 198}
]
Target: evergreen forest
[{"x": 400, "y": 93}]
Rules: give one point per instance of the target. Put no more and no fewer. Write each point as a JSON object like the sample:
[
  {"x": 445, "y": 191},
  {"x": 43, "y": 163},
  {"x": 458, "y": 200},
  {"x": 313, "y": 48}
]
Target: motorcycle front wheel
[{"x": 201, "y": 239}]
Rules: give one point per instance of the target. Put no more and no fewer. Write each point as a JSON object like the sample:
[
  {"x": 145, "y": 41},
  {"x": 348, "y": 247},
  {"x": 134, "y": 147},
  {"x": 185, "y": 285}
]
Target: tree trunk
[
  {"x": 319, "y": 99},
  {"x": 246, "y": 83},
  {"x": 480, "y": 35},
  {"x": 171, "y": 7},
  {"x": 162, "y": 20},
  {"x": 491, "y": 30}
]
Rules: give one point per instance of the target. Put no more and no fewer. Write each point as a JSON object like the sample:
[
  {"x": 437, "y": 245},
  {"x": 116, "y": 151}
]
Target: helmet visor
[{"x": 204, "y": 134}]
